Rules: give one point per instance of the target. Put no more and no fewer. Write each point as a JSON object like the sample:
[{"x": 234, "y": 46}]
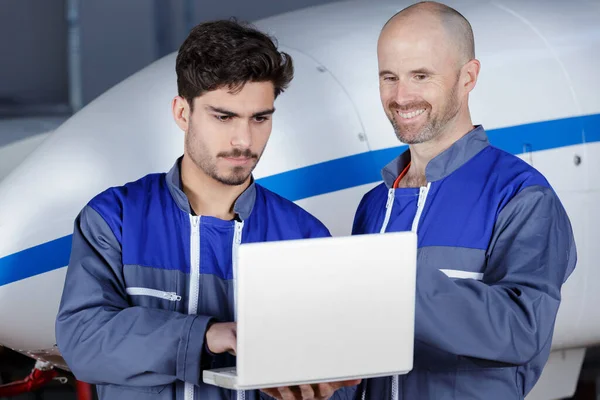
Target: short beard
[
  {"x": 433, "y": 127},
  {"x": 206, "y": 163}
]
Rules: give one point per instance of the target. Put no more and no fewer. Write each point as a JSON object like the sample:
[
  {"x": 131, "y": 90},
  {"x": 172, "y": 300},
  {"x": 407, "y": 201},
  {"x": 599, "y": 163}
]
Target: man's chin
[
  {"x": 409, "y": 138},
  {"x": 234, "y": 179}
]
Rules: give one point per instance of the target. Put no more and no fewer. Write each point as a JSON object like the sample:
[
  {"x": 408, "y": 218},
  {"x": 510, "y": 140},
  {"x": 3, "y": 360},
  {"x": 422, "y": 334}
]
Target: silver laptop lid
[{"x": 325, "y": 309}]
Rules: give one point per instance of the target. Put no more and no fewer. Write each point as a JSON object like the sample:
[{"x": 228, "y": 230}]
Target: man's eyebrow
[
  {"x": 386, "y": 72},
  {"x": 222, "y": 111},
  {"x": 233, "y": 114},
  {"x": 263, "y": 113},
  {"x": 422, "y": 71}
]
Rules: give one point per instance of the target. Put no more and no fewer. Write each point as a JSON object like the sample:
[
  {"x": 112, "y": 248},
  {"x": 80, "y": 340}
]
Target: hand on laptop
[
  {"x": 221, "y": 337},
  {"x": 321, "y": 391}
]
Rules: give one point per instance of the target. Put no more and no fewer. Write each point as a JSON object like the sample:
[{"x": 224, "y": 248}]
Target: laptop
[{"x": 322, "y": 310}]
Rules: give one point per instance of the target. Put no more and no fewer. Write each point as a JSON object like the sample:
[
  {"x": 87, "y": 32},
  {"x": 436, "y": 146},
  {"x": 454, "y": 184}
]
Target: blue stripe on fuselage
[{"x": 330, "y": 176}]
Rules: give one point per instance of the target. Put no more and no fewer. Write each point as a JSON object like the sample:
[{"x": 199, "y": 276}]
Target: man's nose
[
  {"x": 404, "y": 93},
  {"x": 242, "y": 137}
]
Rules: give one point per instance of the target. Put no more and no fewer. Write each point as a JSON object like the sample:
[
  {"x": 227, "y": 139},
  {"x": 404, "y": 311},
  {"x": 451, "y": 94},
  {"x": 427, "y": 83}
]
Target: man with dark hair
[
  {"x": 495, "y": 243},
  {"x": 148, "y": 301}
]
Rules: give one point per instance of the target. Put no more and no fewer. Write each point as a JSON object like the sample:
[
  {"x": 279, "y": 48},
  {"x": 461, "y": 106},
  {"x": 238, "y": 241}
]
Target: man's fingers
[
  {"x": 272, "y": 392},
  {"x": 232, "y": 341},
  {"x": 287, "y": 393},
  {"x": 221, "y": 337},
  {"x": 282, "y": 393},
  {"x": 307, "y": 392},
  {"x": 337, "y": 385},
  {"x": 325, "y": 390},
  {"x": 319, "y": 391}
]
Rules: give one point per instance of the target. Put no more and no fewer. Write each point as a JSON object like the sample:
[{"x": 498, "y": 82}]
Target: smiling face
[
  {"x": 227, "y": 132},
  {"x": 419, "y": 78}
]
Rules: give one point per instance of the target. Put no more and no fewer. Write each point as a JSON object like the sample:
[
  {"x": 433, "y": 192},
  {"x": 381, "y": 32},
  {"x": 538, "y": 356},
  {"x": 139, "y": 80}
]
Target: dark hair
[{"x": 227, "y": 53}]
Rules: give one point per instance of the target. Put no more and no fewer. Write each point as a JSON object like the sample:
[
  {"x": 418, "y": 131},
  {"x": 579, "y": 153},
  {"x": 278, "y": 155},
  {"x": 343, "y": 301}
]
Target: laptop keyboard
[{"x": 229, "y": 371}]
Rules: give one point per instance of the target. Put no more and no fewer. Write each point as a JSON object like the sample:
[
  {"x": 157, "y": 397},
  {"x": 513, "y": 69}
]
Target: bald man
[{"x": 495, "y": 243}]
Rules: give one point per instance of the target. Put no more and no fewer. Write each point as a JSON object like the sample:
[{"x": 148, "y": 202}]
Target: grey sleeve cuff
[{"x": 191, "y": 350}]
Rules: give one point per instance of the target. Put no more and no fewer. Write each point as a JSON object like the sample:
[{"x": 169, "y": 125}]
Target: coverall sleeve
[
  {"x": 318, "y": 230},
  {"x": 102, "y": 338},
  {"x": 509, "y": 316}
]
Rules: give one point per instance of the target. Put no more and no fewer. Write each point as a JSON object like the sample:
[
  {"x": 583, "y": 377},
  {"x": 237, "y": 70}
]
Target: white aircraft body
[{"x": 537, "y": 96}]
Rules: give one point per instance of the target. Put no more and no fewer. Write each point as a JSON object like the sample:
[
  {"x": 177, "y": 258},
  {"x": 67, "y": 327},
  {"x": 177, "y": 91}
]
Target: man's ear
[
  {"x": 181, "y": 112},
  {"x": 470, "y": 73}
]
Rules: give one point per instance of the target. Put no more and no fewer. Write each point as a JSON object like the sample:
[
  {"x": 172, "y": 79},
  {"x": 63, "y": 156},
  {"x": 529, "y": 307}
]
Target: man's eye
[
  {"x": 420, "y": 77},
  {"x": 389, "y": 78},
  {"x": 260, "y": 119},
  {"x": 223, "y": 118}
]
